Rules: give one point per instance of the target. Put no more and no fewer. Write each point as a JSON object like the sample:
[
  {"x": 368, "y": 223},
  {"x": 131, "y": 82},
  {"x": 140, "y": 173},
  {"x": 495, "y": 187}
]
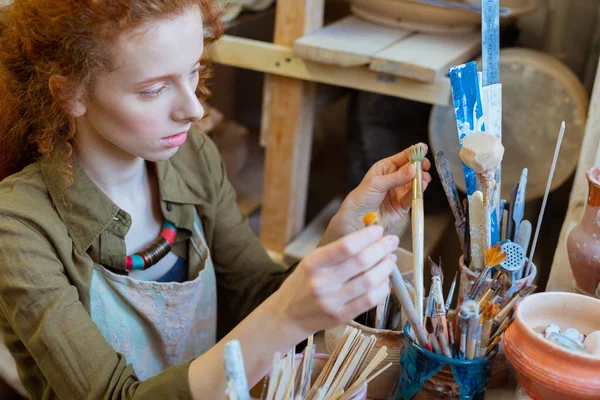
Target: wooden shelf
[
  {"x": 354, "y": 42},
  {"x": 280, "y": 60}
]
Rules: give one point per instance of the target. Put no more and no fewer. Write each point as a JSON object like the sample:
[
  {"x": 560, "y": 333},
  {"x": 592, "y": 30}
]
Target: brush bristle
[
  {"x": 436, "y": 270},
  {"x": 416, "y": 153},
  {"x": 370, "y": 219},
  {"x": 494, "y": 256}
]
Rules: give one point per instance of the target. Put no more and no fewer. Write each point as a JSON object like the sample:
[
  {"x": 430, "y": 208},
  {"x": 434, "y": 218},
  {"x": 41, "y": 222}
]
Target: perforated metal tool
[
  {"x": 513, "y": 263},
  {"x": 515, "y": 257}
]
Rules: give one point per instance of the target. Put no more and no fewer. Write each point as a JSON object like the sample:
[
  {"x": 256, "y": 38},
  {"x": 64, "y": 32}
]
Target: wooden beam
[
  {"x": 273, "y": 59},
  {"x": 288, "y": 114},
  {"x": 561, "y": 276},
  {"x": 426, "y": 56}
]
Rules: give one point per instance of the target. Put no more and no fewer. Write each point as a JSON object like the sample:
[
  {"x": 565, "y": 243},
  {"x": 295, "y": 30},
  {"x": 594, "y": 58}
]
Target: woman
[{"x": 119, "y": 233}]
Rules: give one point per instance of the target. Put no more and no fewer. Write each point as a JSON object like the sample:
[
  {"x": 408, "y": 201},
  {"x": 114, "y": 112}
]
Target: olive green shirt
[{"x": 50, "y": 238}]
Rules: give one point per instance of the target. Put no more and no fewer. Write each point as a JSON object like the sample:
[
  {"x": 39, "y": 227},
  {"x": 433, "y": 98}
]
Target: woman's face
[{"x": 145, "y": 106}]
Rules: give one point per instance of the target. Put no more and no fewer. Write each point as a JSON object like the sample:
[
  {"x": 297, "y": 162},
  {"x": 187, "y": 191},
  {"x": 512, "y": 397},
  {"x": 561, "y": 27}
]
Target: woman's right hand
[{"x": 337, "y": 282}]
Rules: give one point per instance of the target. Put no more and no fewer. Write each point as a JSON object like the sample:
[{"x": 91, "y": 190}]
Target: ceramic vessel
[
  {"x": 583, "y": 242},
  {"x": 544, "y": 370},
  {"x": 500, "y": 365},
  {"x": 426, "y": 375}
]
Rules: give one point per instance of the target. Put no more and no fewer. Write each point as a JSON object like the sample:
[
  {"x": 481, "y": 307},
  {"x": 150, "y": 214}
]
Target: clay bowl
[
  {"x": 380, "y": 387},
  {"x": 544, "y": 370}
]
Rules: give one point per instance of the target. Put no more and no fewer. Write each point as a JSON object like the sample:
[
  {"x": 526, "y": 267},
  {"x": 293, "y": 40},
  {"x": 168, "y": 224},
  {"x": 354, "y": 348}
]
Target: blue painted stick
[{"x": 468, "y": 110}]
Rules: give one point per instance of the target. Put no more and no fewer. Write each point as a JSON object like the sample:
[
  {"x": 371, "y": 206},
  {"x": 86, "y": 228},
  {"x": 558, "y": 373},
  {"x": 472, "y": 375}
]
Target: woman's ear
[{"x": 68, "y": 99}]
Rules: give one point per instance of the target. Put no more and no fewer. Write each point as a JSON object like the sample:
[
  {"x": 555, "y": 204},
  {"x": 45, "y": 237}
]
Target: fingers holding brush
[
  {"x": 369, "y": 256},
  {"x": 337, "y": 282}
]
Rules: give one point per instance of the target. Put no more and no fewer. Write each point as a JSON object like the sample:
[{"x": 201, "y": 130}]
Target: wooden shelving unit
[{"x": 349, "y": 53}]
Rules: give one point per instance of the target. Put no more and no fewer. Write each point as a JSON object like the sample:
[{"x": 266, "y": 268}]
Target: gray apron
[{"x": 156, "y": 325}]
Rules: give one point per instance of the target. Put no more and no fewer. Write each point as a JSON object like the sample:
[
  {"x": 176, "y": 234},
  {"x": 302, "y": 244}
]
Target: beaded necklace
[{"x": 155, "y": 251}]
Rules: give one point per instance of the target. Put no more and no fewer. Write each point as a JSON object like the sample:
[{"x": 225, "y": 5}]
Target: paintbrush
[
  {"x": 443, "y": 338},
  {"x": 492, "y": 256},
  {"x": 451, "y": 292},
  {"x": 495, "y": 285},
  {"x": 235, "y": 372},
  {"x": 438, "y": 296},
  {"x": 546, "y": 193},
  {"x": 400, "y": 290},
  {"x": 510, "y": 304},
  {"x": 445, "y": 172},
  {"x": 452, "y": 341},
  {"x": 471, "y": 309},
  {"x": 429, "y": 326},
  {"x": 462, "y": 322},
  {"x": 416, "y": 157}
]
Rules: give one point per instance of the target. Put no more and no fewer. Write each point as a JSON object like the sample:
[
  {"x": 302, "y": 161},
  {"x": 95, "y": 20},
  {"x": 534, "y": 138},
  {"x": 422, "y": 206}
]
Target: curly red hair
[{"x": 67, "y": 42}]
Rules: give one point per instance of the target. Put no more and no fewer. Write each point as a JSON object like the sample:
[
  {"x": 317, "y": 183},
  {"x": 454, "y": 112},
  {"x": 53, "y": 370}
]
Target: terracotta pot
[
  {"x": 543, "y": 369},
  {"x": 583, "y": 242}
]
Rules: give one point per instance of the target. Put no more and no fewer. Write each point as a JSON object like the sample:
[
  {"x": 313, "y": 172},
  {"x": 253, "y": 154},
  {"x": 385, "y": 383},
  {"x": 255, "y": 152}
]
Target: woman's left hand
[{"x": 385, "y": 189}]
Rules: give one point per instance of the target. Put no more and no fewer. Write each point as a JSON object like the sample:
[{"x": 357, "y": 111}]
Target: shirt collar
[{"x": 87, "y": 211}]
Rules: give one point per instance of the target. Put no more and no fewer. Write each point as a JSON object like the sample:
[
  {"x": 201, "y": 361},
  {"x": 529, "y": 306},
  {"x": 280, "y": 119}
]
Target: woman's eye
[
  {"x": 152, "y": 93},
  {"x": 194, "y": 72}
]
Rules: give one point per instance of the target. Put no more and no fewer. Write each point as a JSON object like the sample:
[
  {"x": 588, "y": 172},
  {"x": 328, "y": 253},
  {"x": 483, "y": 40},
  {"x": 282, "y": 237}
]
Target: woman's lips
[{"x": 175, "y": 140}]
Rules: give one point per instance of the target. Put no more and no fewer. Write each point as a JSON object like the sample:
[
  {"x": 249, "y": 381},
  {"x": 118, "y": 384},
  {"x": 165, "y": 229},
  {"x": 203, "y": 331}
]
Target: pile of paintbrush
[
  {"x": 483, "y": 316},
  {"x": 345, "y": 372}
]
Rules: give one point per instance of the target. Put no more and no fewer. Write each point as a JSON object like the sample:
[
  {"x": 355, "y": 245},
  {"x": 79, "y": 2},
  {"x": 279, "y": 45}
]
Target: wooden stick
[
  {"x": 358, "y": 384},
  {"x": 274, "y": 376},
  {"x": 546, "y": 193}
]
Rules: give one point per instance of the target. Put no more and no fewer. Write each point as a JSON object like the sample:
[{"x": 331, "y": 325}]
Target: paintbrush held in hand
[
  {"x": 416, "y": 157},
  {"x": 401, "y": 292}
]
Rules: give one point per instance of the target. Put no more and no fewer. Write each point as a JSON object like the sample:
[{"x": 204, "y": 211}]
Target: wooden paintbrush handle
[
  {"x": 401, "y": 292},
  {"x": 417, "y": 245}
]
